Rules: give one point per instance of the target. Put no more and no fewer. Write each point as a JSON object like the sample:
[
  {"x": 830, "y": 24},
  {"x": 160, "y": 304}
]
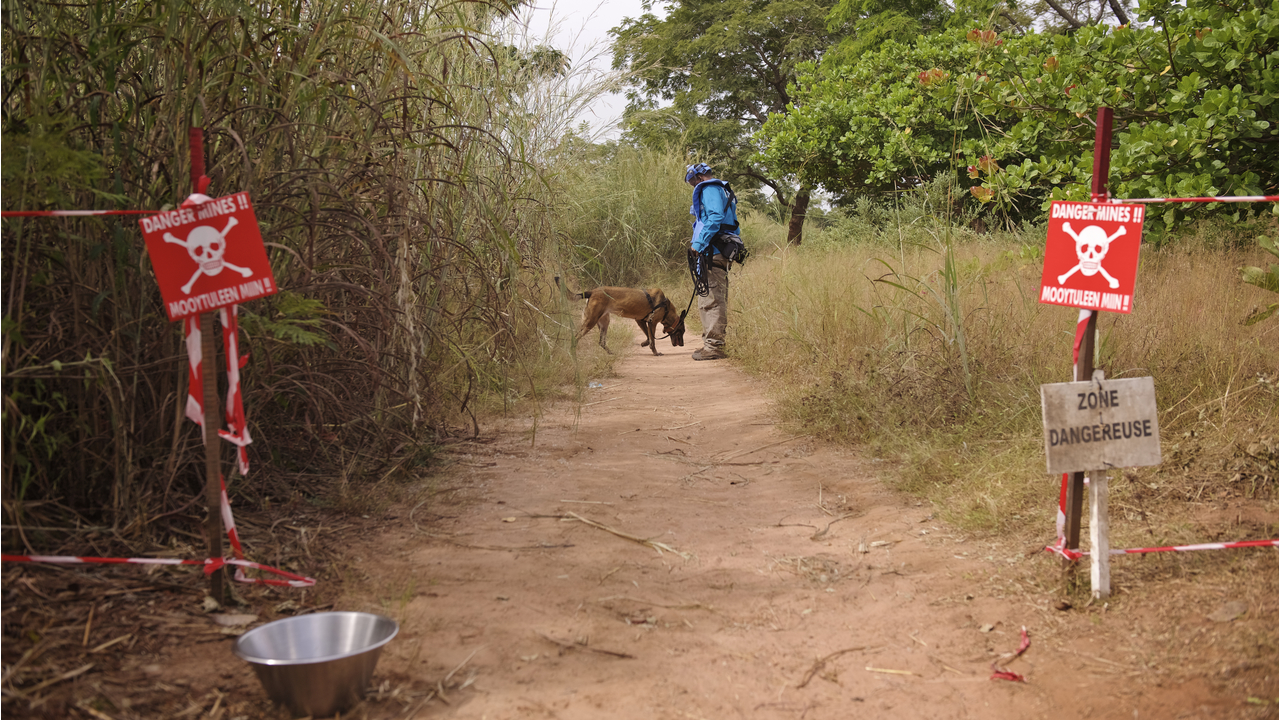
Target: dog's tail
[{"x": 575, "y": 295}]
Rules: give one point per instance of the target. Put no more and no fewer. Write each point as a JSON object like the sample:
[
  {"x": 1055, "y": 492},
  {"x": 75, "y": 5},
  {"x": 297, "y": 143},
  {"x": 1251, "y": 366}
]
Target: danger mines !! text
[
  {"x": 187, "y": 216},
  {"x": 1097, "y": 213}
]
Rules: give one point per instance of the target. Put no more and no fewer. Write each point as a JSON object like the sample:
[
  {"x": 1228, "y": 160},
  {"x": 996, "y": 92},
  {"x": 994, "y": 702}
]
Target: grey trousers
[{"x": 714, "y": 308}]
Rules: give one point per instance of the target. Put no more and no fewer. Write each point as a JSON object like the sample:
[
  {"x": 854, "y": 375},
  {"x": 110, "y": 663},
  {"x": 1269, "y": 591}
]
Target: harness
[
  {"x": 683, "y": 313},
  {"x": 653, "y": 309}
]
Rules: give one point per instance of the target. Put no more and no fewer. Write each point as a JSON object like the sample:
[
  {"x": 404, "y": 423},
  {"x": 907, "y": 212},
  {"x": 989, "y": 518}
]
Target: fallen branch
[
  {"x": 704, "y": 464},
  {"x": 575, "y": 646},
  {"x": 27, "y": 692},
  {"x": 648, "y": 543},
  {"x": 822, "y": 533},
  {"x": 508, "y": 548},
  {"x": 601, "y": 401},
  {"x": 440, "y": 684},
  {"x": 685, "y": 606},
  {"x": 821, "y": 662},
  {"x": 764, "y": 447}
]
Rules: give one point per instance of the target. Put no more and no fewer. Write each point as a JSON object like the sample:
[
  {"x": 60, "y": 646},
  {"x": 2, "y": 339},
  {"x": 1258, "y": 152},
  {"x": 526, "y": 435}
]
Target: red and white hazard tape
[
  {"x": 73, "y": 213},
  {"x": 1058, "y": 548},
  {"x": 210, "y": 565},
  {"x": 1001, "y": 673},
  {"x": 237, "y": 432},
  {"x": 1231, "y": 199}
]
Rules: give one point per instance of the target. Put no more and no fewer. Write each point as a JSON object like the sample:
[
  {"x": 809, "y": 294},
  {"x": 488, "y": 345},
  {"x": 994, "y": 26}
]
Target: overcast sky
[{"x": 580, "y": 29}]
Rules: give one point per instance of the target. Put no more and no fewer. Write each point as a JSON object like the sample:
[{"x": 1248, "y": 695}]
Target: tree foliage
[
  {"x": 878, "y": 124},
  {"x": 1194, "y": 92},
  {"x": 710, "y": 73},
  {"x": 1194, "y": 95}
]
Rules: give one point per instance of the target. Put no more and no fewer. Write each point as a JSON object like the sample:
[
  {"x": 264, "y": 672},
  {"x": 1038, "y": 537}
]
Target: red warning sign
[
  {"x": 1091, "y": 256},
  {"x": 208, "y": 256}
]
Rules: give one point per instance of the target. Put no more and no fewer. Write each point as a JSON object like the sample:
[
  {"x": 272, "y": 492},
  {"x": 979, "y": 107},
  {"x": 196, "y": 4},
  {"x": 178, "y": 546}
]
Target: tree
[
  {"x": 871, "y": 23},
  {"x": 891, "y": 119},
  {"x": 1194, "y": 93},
  {"x": 723, "y": 66}
]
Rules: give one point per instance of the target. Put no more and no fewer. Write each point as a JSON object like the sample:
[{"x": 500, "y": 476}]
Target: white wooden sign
[{"x": 1100, "y": 424}]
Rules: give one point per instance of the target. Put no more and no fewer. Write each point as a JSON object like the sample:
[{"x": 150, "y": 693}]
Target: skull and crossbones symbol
[
  {"x": 206, "y": 246},
  {"x": 1091, "y": 247}
]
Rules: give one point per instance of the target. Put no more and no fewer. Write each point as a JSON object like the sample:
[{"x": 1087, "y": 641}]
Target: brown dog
[{"x": 647, "y": 308}]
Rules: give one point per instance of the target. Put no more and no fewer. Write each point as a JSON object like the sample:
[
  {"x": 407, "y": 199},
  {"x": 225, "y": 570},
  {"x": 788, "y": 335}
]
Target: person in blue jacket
[{"x": 715, "y": 212}]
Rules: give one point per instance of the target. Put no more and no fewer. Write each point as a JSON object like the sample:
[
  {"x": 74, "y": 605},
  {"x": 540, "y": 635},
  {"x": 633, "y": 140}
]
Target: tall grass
[
  {"x": 857, "y": 359},
  {"x": 622, "y": 216},
  {"x": 406, "y": 222}
]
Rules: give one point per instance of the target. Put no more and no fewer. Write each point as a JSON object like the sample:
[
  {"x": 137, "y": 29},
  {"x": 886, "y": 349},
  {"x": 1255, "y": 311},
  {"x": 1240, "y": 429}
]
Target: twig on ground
[
  {"x": 540, "y": 546},
  {"x": 575, "y": 646},
  {"x": 821, "y": 662},
  {"x": 648, "y": 543},
  {"x": 83, "y": 705},
  {"x": 685, "y": 606},
  {"x": 109, "y": 643},
  {"x": 27, "y": 692},
  {"x": 440, "y": 685},
  {"x": 600, "y": 401},
  {"x": 945, "y": 666},
  {"x": 705, "y": 464},
  {"x": 763, "y": 447},
  {"x": 822, "y": 533},
  {"x": 88, "y": 624}
]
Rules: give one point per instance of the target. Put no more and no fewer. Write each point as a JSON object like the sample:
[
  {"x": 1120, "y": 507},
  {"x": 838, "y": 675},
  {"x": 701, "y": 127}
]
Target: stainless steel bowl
[{"x": 318, "y": 664}]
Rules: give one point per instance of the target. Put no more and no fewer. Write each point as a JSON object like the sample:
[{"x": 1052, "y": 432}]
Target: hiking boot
[{"x": 707, "y": 353}]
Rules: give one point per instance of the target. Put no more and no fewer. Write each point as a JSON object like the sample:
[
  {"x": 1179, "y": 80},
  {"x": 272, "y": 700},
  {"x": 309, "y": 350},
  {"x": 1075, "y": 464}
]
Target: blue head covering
[{"x": 699, "y": 169}]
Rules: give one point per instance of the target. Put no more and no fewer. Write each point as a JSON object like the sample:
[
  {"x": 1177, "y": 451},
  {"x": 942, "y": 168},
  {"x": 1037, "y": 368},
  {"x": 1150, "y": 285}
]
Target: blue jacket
[{"x": 715, "y": 211}]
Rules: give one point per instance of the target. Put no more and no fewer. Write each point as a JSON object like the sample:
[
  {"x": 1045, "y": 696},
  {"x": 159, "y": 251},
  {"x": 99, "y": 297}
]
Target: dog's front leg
[
  {"x": 644, "y": 329},
  {"x": 649, "y": 332}
]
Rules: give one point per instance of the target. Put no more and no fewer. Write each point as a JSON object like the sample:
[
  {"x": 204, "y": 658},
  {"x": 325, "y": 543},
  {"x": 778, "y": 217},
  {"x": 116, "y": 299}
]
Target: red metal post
[{"x": 1084, "y": 358}]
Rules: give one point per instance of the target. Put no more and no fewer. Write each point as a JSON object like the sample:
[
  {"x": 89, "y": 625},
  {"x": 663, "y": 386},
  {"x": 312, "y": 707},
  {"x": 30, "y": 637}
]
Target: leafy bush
[{"x": 1194, "y": 94}]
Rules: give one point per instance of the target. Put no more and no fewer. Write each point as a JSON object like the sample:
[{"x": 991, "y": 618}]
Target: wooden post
[
  {"x": 1084, "y": 358},
  {"x": 209, "y": 376},
  {"x": 1099, "y": 540}
]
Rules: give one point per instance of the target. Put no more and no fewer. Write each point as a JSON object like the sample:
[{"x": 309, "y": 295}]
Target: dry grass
[
  {"x": 860, "y": 360},
  {"x": 396, "y": 157}
]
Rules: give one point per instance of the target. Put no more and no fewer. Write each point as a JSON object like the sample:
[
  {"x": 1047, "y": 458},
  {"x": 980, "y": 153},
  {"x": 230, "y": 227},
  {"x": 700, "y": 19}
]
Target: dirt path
[{"x": 669, "y": 553}]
